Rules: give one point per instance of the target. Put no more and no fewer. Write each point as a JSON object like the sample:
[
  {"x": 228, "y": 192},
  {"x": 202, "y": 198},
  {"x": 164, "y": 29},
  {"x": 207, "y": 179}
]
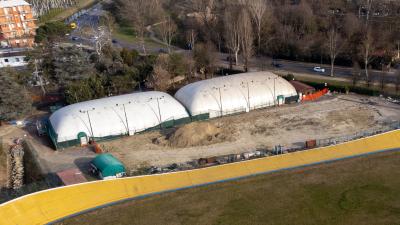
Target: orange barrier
[{"x": 316, "y": 95}]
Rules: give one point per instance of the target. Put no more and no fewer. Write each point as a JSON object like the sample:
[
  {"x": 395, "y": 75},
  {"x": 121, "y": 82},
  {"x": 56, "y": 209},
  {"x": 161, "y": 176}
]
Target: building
[
  {"x": 106, "y": 166},
  {"x": 302, "y": 88},
  {"x": 17, "y": 24},
  {"x": 235, "y": 93},
  {"x": 12, "y": 58},
  {"x": 108, "y": 118}
]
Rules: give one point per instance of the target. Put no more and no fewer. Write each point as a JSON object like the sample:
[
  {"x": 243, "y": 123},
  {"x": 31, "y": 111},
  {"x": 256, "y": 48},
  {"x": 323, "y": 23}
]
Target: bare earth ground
[
  {"x": 290, "y": 125},
  {"x": 359, "y": 191},
  {"x": 332, "y": 116}
]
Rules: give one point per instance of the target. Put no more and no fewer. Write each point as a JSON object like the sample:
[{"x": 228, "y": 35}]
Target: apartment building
[{"x": 17, "y": 24}]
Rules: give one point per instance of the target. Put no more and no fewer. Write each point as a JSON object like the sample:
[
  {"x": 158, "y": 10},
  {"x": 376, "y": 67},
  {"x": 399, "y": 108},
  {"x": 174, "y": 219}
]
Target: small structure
[
  {"x": 71, "y": 176},
  {"x": 302, "y": 87},
  {"x": 113, "y": 117},
  {"x": 234, "y": 94},
  {"x": 106, "y": 166}
]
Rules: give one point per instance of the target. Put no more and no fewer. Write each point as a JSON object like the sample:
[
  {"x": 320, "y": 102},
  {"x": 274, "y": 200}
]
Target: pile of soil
[{"x": 196, "y": 134}]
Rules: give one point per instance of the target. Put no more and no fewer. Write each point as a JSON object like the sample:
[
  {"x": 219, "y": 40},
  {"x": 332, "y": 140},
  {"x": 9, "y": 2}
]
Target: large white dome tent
[
  {"x": 113, "y": 117},
  {"x": 235, "y": 93}
]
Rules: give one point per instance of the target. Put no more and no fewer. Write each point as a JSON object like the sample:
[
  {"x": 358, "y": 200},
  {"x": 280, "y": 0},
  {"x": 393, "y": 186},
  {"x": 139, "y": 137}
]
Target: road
[{"x": 91, "y": 17}]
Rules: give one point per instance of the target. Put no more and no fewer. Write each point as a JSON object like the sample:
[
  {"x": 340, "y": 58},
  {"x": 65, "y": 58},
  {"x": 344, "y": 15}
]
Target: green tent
[{"x": 108, "y": 167}]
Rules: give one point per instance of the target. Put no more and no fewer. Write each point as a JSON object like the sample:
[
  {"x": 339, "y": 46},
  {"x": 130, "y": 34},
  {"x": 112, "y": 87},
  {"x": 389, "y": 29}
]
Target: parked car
[
  {"x": 319, "y": 69},
  {"x": 277, "y": 65},
  {"x": 75, "y": 38}
]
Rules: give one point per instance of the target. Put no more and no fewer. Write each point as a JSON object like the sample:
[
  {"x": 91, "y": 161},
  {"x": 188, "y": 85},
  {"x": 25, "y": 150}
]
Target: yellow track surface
[{"x": 51, "y": 205}]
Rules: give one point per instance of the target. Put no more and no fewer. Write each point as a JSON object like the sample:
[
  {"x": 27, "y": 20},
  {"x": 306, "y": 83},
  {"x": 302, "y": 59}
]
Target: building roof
[
  {"x": 106, "y": 116},
  {"x": 71, "y": 176},
  {"x": 301, "y": 87},
  {"x": 234, "y": 93},
  {"x": 12, "y": 3},
  {"x": 108, "y": 165}
]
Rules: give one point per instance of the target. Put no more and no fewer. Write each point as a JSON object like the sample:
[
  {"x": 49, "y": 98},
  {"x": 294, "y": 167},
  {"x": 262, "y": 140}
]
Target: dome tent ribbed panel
[
  {"x": 107, "y": 115},
  {"x": 234, "y": 93}
]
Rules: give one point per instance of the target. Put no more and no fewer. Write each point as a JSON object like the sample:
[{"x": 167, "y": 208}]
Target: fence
[
  {"x": 315, "y": 95},
  {"x": 54, "y": 204}
]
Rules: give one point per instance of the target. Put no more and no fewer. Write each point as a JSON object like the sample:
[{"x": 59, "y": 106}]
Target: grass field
[{"x": 357, "y": 191}]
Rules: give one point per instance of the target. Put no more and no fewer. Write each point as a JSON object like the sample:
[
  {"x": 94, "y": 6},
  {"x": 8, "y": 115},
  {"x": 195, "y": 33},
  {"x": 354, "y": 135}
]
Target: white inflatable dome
[
  {"x": 234, "y": 93},
  {"x": 106, "y": 117}
]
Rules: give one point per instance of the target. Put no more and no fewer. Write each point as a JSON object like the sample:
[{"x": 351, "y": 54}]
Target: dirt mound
[{"x": 196, "y": 134}]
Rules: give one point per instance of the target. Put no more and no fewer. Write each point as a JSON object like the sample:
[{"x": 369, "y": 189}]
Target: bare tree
[
  {"x": 135, "y": 12},
  {"x": 367, "y": 47},
  {"x": 167, "y": 30},
  {"x": 356, "y": 73},
  {"x": 41, "y": 7},
  {"x": 257, "y": 10},
  {"x": 232, "y": 33},
  {"x": 160, "y": 79},
  {"x": 335, "y": 43},
  {"x": 191, "y": 37},
  {"x": 247, "y": 39}
]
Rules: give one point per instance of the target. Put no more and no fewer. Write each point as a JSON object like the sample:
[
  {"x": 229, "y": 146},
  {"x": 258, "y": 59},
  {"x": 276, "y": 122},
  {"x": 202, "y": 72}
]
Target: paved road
[{"x": 92, "y": 15}]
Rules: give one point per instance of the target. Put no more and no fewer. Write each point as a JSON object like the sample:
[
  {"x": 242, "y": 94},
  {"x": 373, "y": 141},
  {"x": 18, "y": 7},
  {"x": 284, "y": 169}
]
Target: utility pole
[
  {"x": 159, "y": 109},
  {"x": 220, "y": 98},
  {"x": 126, "y": 118},
  {"x": 90, "y": 122}
]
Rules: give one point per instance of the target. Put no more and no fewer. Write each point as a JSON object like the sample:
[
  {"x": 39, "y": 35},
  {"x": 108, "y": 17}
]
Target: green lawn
[{"x": 357, "y": 191}]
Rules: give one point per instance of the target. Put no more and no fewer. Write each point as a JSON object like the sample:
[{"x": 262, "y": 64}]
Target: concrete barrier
[{"x": 54, "y": 204}]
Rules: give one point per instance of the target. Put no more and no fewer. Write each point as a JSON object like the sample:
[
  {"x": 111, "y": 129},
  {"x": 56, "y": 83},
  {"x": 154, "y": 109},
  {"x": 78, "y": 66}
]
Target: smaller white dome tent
[
  {"x": 235, "y": 93},
  {"x": 113, "y": 117}
]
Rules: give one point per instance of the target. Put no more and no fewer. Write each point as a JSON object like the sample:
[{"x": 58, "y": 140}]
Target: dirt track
[{"x": 289, "y": 126}]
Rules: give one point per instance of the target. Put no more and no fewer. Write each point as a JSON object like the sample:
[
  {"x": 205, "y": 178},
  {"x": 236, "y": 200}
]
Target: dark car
[
  {"x": 75, "y": 38},
  {"x": 114, "y": 41},
  {"x": 277, "y": 65}
]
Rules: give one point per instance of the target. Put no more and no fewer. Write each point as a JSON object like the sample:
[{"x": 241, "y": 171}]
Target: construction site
[{"x": 332, "y": 119}]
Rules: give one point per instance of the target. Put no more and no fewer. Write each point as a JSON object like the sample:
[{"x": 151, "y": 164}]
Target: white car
[{"x": 319, "y": 69}]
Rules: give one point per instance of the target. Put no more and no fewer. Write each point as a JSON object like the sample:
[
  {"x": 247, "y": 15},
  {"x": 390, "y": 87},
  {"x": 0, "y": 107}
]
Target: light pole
[
  {"x": 159, "y": 109},
  {"x": 220, "y": 98},
  {"x": 90, "y": 122},
  {"x": 248, "y": 92},
  {"x": 126, "y": 118}
]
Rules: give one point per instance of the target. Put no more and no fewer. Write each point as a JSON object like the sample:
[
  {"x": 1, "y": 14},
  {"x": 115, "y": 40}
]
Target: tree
[
  {"x": 65, "y": 65},
  {"x": 191, "y": 37},
  {"x": 14, "y": 99},
  {"x": 356, "y": 73},
  {"x": 397, "y": 83},
  {"x": 247, "y": 40},
  {"x": 232, "y": 33},
  {"x": 167, "y": 30},
  {"x": 335, "y": 43},
  {"x": 257, "y": 10},
  {"x": 160, "y": 79},
  {"x": 205, "y": 57},
  {"x": 367, "y": 46},
  {"x": 134, "y": 11},
  {"x": 84, "y": 90}
]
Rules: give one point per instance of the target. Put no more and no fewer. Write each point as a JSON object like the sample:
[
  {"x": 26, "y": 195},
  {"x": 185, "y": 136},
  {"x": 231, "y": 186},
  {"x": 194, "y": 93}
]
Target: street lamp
[
  {"x": 90, "y": 123},
  {"x": 220, "y": 97},
  {"x": 126, "y": 118},
  {"x": 158, "y": 105},
  {"x": 246, "y": 84}
]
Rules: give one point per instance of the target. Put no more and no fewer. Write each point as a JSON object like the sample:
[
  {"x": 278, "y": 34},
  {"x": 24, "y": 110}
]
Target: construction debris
[{"x": 16, "y": 167}]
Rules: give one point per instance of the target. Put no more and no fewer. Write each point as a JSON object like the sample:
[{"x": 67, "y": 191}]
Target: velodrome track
[{"x": 54, "y": 204}]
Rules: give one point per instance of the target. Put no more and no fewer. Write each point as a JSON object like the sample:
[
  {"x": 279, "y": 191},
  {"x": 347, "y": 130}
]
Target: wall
[{"x": 47, "y": 206}]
